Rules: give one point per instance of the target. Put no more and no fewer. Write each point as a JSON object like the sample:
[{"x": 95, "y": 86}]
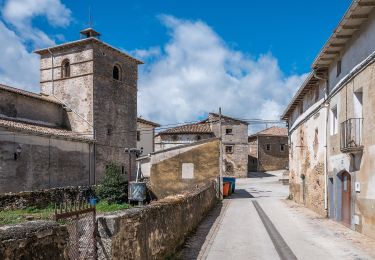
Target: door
[{"x": 346, "y": 195}]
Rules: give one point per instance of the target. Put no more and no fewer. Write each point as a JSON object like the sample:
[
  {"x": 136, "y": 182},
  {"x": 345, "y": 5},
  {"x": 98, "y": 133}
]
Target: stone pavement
[{"x": 257, "y": 222}]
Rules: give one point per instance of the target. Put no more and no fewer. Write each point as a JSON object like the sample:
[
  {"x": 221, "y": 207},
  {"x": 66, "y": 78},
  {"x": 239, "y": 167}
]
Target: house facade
[
  {"x": 146, "y": 135},
  {"x": 268, "y": 150},
  {"x": 331, "y": 122},
  {"x": 84, "y": 117},
  {"x": 234, "y": 140}
]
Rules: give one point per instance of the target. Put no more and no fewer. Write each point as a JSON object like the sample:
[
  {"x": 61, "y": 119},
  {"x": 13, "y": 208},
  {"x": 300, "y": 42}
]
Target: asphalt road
[{"x": 257, "y": 222}]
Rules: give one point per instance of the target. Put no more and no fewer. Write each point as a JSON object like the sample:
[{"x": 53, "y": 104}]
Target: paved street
[{"x": 259, "y": 223}]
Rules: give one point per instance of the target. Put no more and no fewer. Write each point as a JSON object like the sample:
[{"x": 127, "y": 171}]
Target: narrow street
[{"x": 258, "y": 222}]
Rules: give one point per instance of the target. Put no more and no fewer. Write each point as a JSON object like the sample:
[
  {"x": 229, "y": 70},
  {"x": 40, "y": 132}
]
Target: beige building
[
  {"x": 268, "y": 150},
  {"x": 331, "y": 122},
  {"x": 146, "y": 135},
  {"x": 234, "y": 140},
  {"x": 84, "y": 117}
]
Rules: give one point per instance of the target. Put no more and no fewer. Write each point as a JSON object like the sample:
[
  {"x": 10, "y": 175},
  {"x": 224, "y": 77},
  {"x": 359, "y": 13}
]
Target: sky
[{"x": 248, "y": 57}]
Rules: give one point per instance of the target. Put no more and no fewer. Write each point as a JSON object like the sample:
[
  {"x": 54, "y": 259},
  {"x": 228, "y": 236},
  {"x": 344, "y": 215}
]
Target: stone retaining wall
[
  {"x": 34, "y": 240},
  {"x": 155, "y": 231},
  {"x": 40, "y": 198}
]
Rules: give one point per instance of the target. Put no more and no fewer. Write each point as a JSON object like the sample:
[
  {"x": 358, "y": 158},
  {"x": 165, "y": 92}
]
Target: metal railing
[{"x": 351, "y": 134}]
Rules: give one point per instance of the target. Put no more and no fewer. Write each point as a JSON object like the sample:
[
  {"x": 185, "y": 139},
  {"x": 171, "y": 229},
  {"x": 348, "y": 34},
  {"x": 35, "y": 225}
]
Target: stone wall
[
  {"x": 41, "y": 198},
  {"x": 34, "y": 240},
  {"x": 183, "y": 168},
  {"x": 157, "y": 230},
  {"x": 44, "y": 162},
  {"x": 275, "y": 158}
]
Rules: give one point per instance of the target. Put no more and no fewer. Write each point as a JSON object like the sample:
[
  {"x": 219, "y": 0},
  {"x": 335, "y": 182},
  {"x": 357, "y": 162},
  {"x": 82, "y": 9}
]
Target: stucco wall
[
  {"x": 43, "y": 163},
  {"x": 307, "y": 158},
  {"x": 157, "y": 230}
]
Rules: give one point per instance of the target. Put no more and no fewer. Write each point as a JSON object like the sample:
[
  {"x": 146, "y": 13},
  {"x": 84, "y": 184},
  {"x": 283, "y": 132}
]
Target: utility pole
[{"x": 221, "y": 155}]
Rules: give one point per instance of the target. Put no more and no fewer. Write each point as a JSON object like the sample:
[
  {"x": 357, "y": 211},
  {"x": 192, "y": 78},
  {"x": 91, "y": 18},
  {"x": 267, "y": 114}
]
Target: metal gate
[{"x": 79, "y": 218}]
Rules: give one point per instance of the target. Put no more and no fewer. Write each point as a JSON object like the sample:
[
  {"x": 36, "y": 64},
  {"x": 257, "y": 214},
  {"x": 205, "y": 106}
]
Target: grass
[{"x": 8, "y": 217}]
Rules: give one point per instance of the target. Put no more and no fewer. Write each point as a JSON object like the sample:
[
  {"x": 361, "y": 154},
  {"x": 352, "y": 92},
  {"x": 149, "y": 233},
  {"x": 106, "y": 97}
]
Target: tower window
[
  {"x": 116, "y": 74},
  {"x": 65, "y": 69}
]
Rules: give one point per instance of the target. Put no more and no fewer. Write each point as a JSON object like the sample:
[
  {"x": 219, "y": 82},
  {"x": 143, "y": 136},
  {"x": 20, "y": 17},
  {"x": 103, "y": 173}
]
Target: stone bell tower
[{"x": 97, "y": 85}]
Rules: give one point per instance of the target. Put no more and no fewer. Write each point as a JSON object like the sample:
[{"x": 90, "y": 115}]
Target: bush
[{"x": 114, "y": 186}]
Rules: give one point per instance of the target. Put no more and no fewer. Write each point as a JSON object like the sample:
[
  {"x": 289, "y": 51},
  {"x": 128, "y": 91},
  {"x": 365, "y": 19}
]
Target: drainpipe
[
  {"x": 326, "y": 105},
  {"x": 67, "y": 107}
]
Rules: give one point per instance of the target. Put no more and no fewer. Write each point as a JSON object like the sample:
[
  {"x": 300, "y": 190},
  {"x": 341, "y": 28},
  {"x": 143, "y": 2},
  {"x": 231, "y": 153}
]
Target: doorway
[{"x": 346, "y": 188}]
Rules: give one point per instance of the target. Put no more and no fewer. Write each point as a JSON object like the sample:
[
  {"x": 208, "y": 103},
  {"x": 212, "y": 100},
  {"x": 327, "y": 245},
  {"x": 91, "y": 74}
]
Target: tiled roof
[
  {"x": 147, "y": 122},
  {"x": 273, "y": 131},
  {"x": 229, "y": 118},
  {"x": 27, "y": 93},
  {"x": 42, "y": 130},
  {"x": 200, "y": 128}
]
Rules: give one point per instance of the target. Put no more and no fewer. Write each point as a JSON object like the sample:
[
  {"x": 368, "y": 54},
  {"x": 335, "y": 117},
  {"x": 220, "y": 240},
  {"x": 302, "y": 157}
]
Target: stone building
[
  {"x": 234, "y": 140},
  {"x": 146, "y": 135},
  {"x": 331, "y": 122},
  {"x": 268, "y": 150},
  {"x": 84, "y": 117}
]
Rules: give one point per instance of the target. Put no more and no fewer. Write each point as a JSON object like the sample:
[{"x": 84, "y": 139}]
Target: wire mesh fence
[{"x": 79, "y": 218}]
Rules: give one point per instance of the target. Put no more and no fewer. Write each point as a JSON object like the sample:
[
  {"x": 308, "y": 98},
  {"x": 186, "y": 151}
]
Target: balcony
[{"x": 351, "y": 135}]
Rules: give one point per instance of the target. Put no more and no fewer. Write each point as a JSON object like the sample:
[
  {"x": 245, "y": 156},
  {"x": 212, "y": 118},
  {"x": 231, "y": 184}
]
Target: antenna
[{"x": 90, "y": 17}]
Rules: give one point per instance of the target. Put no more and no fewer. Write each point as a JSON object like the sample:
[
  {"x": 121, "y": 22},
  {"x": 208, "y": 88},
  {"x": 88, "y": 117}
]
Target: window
[
  {"x": 116, "y": 74},
  {"x": 282, "y": 147},
  {"x": 65, "y": 69},
  {"x": 138, "y": 135},
  {"x": 199, "y": 137},
  {"x": 268, "y": 147},
  {"x": 334, "y": 122},
  {"x": 338, "y": 65},
  {"x": 228, "y": 167},
  {"x": 109, "y": 131},
  {"x": 358, "y": 104},
  {"x": 229, "y": 148},
  {"x": 123, "y": 169},
  {"x": 228, "y": 131}
]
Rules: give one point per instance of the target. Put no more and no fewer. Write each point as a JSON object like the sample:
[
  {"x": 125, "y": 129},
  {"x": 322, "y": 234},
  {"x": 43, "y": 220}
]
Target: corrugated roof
[
  {"x": 28, "y": 94},
  {"x": 20, "y": 126},
  {"x": 200, "y": 128}
]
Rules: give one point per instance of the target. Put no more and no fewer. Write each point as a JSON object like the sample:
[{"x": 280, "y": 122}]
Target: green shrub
[{"x": 114, "y": 186}]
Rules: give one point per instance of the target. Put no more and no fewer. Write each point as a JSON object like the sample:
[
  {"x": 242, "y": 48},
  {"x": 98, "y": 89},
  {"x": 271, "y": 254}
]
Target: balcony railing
[{"x": 351, "y": 135}]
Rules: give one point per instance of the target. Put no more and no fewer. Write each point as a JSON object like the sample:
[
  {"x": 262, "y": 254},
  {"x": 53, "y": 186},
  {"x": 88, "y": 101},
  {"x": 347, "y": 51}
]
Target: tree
[{"x": 114, "y": 186}]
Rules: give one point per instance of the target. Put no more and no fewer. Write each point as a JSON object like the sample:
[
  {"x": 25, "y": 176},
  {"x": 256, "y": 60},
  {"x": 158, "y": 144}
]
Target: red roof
[
  {"x": 273, "y": 131},
  {"x": 189, "y": 129}
]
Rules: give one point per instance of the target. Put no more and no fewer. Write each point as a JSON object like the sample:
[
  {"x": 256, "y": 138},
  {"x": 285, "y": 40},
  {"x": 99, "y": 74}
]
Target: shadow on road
[
  {"x": 259, "y": 175},
  {"x": 194, "y": 243},
  {"x": 241, "y": 194}
]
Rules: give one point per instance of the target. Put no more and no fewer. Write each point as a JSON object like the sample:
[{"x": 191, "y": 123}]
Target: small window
[
  {"x": 116, "y": 72},
  {"x": 228, "y": 167},
  {"x": 174, "y": 137},
  {"x": 268, "y": 147},
  {"x": 109, "y": 131},
  {"x": 199, "y": 137},
  {"x": 282, "y": 147},
  {"x": 123, "y": 169},
  {"x": 338, "y": 68},
  {"x": 229, "y": 148},
  {"x": 228, "y": 131},
  {"x": 138, "y": 135},
  {"x": 65, "y": 69}
]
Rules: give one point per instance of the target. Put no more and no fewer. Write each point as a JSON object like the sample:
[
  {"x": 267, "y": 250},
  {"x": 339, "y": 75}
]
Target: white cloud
[
  {"x": 18, "y": 65},
  {"x": 196, "y": 73}
]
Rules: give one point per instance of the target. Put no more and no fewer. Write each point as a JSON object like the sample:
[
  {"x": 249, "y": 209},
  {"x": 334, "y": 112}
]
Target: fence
[
  {"x": 351, "y": 134},
  {"x": 79, "y": 218}
]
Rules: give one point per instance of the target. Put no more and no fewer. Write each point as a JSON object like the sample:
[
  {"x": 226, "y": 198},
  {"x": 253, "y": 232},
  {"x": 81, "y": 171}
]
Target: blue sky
[{"x": 248, "y": 57}]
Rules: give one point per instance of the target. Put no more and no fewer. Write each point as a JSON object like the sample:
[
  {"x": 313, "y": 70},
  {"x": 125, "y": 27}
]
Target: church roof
[
  {"x": 26, "y": 127},
  {"x": 85, "y": 41}
]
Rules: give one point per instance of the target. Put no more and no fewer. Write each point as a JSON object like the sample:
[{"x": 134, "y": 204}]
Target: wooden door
[{"x": 346, "y": 201}]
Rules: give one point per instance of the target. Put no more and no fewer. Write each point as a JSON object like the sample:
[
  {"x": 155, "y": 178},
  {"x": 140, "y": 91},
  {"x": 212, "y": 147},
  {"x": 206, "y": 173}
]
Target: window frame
[
  {"x": 230, "y": 131},
  {"x": 65, "y": 69},
  {"x": 119, "y": 71},
  {"x": 282, "y": 147},
  {"x": 268, "y": 147},
  {"x": 231, "y": 149}
]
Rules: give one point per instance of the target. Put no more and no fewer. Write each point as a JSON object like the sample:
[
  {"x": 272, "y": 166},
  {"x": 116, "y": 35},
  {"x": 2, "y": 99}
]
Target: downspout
[
  {"x": 326, "y": 105},
  {"x": 67, "y": 107}
]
